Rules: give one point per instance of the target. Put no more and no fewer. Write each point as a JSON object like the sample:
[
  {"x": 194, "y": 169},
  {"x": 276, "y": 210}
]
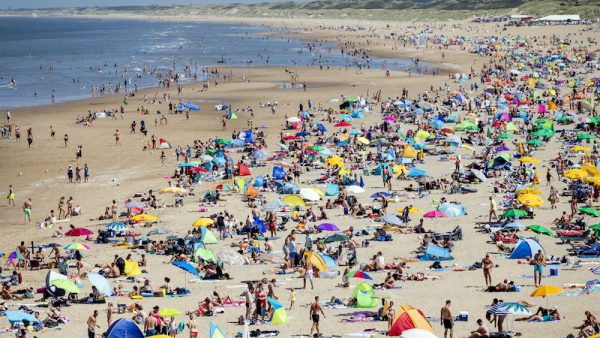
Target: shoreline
[{"x": 279, "y": 28}]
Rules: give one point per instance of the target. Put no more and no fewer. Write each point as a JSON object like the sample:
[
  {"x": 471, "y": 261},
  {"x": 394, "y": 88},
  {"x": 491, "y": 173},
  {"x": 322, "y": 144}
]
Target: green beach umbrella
[
  {"x": 205, "y": 254},
  {"x": 595, "y": 227},
  {"x": 506, "y": 136},
  {"x": 540, "y": 229},
  {"x": 535, "y": 142},
  {"x": 66, "y": 284},
  {"x": 590, "y": 211},
  {"x": 543, "y": 133},
  {"x": 585, "y": 136},
  {"x": 14, "y": 255},
  {"x": 565, "y": 119},
  {"x": 514, "y": 213},
  {"x": 224, "y": 141}
]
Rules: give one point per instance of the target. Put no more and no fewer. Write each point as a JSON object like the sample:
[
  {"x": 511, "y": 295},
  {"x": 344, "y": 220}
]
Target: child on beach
[{"x": 292, "y": 298}]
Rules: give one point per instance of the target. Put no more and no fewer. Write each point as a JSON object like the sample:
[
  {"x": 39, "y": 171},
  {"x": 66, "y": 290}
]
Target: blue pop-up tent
[
  {"x": 124, "y": 328},
  {"x": 526, "y": 247}
]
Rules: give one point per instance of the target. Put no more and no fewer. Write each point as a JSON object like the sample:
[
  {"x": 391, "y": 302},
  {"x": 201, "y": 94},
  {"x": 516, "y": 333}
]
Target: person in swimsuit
[
  {"x": 447, "y": 320},
  {"x": 193, "y": 327},
  {"x": 11, "y": 196},
  {"x": 315, "y": 309},
  {"x": 538, "y": 267},
  {"x": 27, "y": 210},
  {"x": 487, "y": 264},
  {"x": 308, "y": 275},
  {"x": 92, "y": 324}
]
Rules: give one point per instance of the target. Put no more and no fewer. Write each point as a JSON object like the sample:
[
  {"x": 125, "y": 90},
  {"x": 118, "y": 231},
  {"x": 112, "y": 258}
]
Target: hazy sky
[{"x": 4, "y": 4}]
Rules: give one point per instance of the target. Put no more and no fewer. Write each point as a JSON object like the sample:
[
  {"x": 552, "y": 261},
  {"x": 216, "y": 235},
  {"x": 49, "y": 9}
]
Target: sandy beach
[{"x": 117, "y": 172}]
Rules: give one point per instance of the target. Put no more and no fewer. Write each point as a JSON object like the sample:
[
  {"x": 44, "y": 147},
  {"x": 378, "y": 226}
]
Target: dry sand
[{"x": 118, "y": 172}]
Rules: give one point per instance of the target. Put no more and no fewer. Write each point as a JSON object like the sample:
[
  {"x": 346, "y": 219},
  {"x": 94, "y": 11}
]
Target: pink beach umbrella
[
  {"x": 435, "y": 214},
  {"x": 389, "y": 119}
]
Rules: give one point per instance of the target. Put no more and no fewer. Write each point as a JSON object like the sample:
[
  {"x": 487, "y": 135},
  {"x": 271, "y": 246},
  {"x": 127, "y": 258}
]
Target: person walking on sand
[
  {"x": 117, "y": 138},
  {"x": 487, "y": 264},
  {"x": 27, "y": 210},
  {"x": 538, "y": 267},
  {"x": 493, "y": 209},
  {"x": 163, "y": 157},
  {"x": 109, "y": 312},
  {"x": 66, "y": 139},
  {"x": 447, "y": 319},
  {"x": 11, "y": 195},
  {"x": 192, "y": 326},
  {"x": 308, "y": 274},
  {"x": 92, "y": 324},
  {"x": 315, "y": 309}
]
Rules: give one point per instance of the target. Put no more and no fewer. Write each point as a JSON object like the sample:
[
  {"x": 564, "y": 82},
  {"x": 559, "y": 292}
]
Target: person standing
[
  {"x": 539, "y": 260},
  {"x": 193, "y": 327},
  {"x": 27, "y": 210},
  {"x": 308, "y": 274},
  {"x": 66, "y": 139},
  {"x": 315, "y": 309},
  {"x": 86, "y": 173},
  {"x": 117, "y": 138},
  {"x": 92, "y": 324},
  {"x": 163, "y": 157},
  {"x": 447, "y": 319},
  {"x": 493, "y": 209},
  {"x": 487, "y": 264},
  {"x": 11, "y": 195}
]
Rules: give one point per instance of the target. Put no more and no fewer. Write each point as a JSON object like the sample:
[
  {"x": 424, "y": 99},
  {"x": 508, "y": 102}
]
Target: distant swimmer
[{"x": 13, "y": 83}]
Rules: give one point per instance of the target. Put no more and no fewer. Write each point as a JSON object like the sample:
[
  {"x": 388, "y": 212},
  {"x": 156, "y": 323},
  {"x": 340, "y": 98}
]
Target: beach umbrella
[
  {"x": 215, "y": 331},
  {"x": 355, "y": 189},
  {"x": 576, "y": 174},
  {"x": 529, "y": 159},
  {"x": 186, "y": 267},
  {"x": 363, "y": 140},
  {"x": 546, "y": 290},
  {"x": 144, "y": 218},
  {"x": 343, "y": 124},
  {"x": 452, "y": 210},
  {"x": 358, "y": 274},
  {"x": 77, "y": 246},
  {"x": 66, "y": 284},
  {"x": 309, "y": 194},
  {"x": 510, "y": 308},
  {"x": 293, "y": 119},
  {"x": 514, "y": 213},
  {"x": 101, "y": 283},
  {"x": 585, "y": 136},
  {"x": 203, "y": 222},
  {"x": 134, "y": 204},
  {"x": 14, "y": 255},
  {"x": 506, "y": 136},
  {"x": 335, "y": 161},
  {"x": 19, "y": 317},
  {"x": 417, "y": 333},
  {"x": 531, "y": 200},
  {"x": 435, "y": 214},
  {"x": 117, "y": 226},
  {"x": 279, "y": 315},
  {"x": 595, "y": 227},
  {"x": 232, "y": 257},
  {"x": 169, "y": 312},
  {"x": 337, "y": 238},
  {"x": 79, "y": 232},
  {"x": 172, "y": 190},
  {"x": 391, "y": 219},
  {"x": 327, "y": 227},
  {"x": 294, "y": 201},
  {"x": 318, "y": 191},
  {"x": 540, "y": 229},
  {"x": 535, "y": 142},
  {"x": 186, "y": 165},
  {"x": 589, "y": 211},
  {"x": 577, "y": 149}
]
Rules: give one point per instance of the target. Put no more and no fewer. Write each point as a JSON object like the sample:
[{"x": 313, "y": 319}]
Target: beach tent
[
  {"x": 289, "y": 188},
  {"x": 207, "y": 236},
  {"x": 132, "y": 269},
  {"x": 363, "y": 293},
  {"x": 231, "y": 257},
  {"x": 452, "y": 209},
  {"x": 274, "y": 205},
  {"x": 415, "y": 173},
  {"x": 251, "y": 192},
  {"x": 332, "y": 190},
  {"x": 278, "y": 173},
  {"x": 409, "y": 152},
  {"x": 407, "y": 318},
  {"x": 294, "y": 201},
  {"x": 436, "y": 253},
  {"x": 279, "y": 315},
  {"x": 216, "y": 332},
  {"x": 243, "y": 170},
  {"x": 379, "y": 170},
  {"x": 526, "y": 247},
  {"x": 317, "y": 260},
  {"x": 124, "y": 328}
]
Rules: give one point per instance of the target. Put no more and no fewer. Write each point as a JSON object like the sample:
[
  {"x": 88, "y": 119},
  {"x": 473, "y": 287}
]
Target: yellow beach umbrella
[
  {"x": 335, "y": 160},
  {"x": 168, "y": 312},
  {"x": 591, "y": 169},
  {"x": 529, "y": 159},
  {"x": 294, "y": 201},
  {"x": 577, "y": 149},
  {"x": 172, "y": 190},
  {"x": 531, "y": 200},
  {"x": 144, "y": 218},
  {"x": 576, "y": 174},
  {"x": 528, "y": 191},
  {"x": 203, "y": 222},
  {"x": 317, "y": 261},
  {"x": 363, "y": 140},
  {"x": 595, "y": 180},
  {"x": 546, "y": 290}
]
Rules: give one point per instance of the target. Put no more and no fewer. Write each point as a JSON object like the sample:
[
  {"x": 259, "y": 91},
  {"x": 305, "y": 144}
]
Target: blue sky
[{"x": 4, "y": 4}]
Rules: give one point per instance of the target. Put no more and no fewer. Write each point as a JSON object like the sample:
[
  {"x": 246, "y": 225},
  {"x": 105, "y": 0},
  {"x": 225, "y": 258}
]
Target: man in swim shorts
[
  {"x": 11, "y": 196},
  {"x": 315, "y": 309},
  {"x": 538, "y": 267},
  {"x": 447, "y": 320}
]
